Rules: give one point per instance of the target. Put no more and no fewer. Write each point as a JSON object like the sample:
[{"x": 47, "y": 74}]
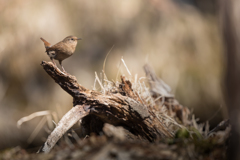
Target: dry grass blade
[
  {"x": 31, "y": 116},
  {"x": 98, "y": 80},
  {"x": 104, "y": 63},
  {"x": 37, "y": 129},
  {"x": 119, "y": 67},
  {"x": 126, "y": 67}
]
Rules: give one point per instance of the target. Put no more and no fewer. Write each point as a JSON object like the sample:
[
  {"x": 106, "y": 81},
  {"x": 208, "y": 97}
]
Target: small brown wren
[{"x": 61, "y": 50}]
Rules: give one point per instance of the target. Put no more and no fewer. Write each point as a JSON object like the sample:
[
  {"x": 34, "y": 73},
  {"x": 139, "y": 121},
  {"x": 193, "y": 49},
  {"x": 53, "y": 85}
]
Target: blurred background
[{"x": 180, "y": 39}]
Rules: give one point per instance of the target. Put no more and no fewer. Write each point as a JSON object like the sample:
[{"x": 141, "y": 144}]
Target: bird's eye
[{"x": 72, "y": 39}]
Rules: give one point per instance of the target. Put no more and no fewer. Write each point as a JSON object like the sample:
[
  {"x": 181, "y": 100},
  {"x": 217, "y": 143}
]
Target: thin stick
[{"x": 67, "y": 121}]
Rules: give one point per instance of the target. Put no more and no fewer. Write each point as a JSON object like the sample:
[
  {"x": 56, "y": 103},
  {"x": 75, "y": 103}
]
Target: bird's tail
[{"x": 46, "y": 43}]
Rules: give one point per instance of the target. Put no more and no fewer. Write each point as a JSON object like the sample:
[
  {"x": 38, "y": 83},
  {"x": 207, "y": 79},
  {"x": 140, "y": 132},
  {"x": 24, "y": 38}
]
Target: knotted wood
[{"x": 122, "y": 108}]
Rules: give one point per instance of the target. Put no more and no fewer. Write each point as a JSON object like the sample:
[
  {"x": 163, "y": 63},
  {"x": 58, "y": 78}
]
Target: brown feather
[{"x": 46, "y": 43}]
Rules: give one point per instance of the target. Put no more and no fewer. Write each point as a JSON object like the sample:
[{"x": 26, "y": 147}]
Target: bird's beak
[{"x": 79, "y": 39}]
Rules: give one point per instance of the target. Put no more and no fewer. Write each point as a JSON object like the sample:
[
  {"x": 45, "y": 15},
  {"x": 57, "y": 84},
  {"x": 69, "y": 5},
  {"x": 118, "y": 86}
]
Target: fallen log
[{"x": 120, "y": 107}]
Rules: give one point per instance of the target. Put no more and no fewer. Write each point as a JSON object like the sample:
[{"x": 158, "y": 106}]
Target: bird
[{"x": 62, "y": 49}]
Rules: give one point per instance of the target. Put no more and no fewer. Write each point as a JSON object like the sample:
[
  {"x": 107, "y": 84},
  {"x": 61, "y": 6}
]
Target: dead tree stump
[{"x": 122, "y": 107}]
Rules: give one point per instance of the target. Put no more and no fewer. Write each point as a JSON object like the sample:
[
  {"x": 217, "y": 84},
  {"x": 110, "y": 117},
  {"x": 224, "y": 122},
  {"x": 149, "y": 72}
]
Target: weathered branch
[
  {"x": 67, "y": 121},
  {"x": 123, "y": 108}
]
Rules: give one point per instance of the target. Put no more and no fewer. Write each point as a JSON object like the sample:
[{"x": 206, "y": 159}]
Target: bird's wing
[
  {"x": 60, "y": 46},
  {"x": 46, "y": 43}
]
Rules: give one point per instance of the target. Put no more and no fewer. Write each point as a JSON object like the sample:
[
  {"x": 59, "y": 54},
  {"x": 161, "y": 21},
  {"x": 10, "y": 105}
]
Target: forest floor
[{"x": 126, "y": 121}]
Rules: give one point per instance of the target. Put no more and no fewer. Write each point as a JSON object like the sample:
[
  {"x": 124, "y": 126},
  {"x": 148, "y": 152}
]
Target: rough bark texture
[{"x": 122, "y": 108}]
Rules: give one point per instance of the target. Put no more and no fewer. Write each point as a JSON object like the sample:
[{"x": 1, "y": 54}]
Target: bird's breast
[{"x": 61, "y": 55}]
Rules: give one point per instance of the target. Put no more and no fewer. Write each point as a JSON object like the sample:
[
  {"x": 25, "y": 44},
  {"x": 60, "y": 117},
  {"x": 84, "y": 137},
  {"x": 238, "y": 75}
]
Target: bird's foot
[
  {"x": 64, "y": 71},
  {"x": 54, "y": 63}
]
